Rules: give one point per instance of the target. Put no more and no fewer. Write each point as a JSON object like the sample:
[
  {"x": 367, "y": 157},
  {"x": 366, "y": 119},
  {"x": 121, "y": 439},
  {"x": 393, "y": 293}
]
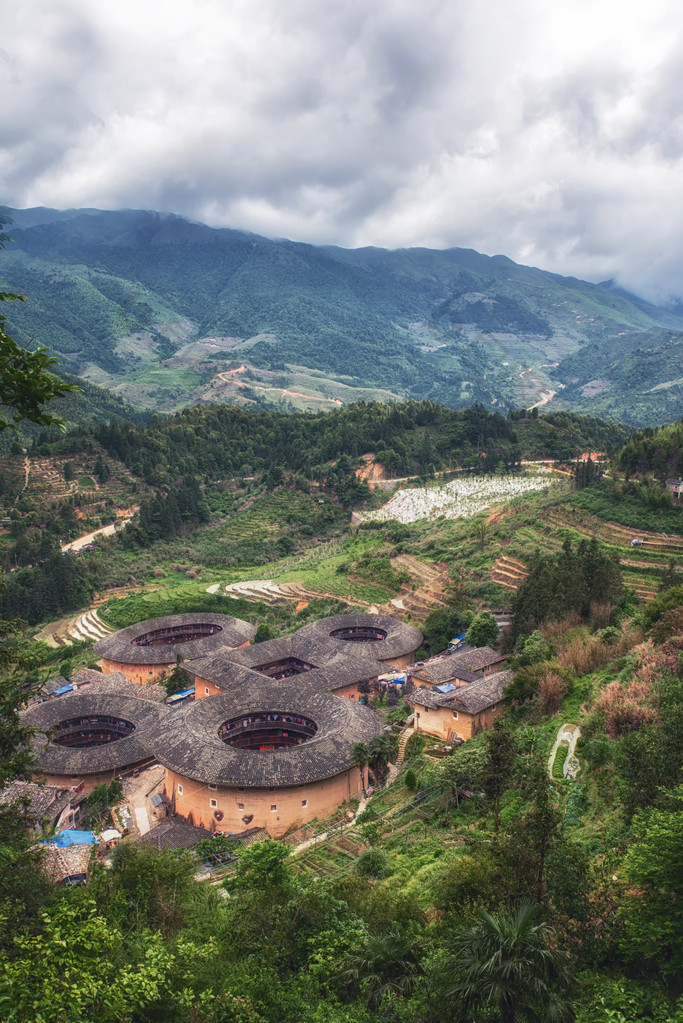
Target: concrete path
[
  {"x": 82, "y": 541},
  {"x": 569, "y": 734},
  {"x": 142, "y": 819}
]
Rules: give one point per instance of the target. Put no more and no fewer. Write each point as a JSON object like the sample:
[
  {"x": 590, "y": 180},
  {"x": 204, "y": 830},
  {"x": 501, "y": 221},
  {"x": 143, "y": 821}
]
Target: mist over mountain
[{"x": 164, "y": 312}]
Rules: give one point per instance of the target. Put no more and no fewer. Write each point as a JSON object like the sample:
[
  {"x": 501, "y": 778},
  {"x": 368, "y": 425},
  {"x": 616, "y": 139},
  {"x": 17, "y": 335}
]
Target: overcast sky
[{"x": 547, "y": 130}]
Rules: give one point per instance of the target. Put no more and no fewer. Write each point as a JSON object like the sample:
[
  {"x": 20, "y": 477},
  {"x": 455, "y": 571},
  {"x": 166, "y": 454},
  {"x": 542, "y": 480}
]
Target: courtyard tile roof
[
  {"x": 120, "y": 646},
  {"x": 191, "y": 746},
  {"x": 147, "y": 716}
]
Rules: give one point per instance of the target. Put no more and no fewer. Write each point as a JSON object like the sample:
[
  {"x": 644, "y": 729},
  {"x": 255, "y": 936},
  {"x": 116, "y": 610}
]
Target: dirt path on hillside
[
  {"x": 228, "y": 377},
  {"x": 83, "y": 541}
]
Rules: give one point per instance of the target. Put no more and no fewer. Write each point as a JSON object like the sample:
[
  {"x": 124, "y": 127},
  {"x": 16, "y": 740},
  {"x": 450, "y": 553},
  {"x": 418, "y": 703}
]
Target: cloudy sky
[{"x": 547, "y": 130}]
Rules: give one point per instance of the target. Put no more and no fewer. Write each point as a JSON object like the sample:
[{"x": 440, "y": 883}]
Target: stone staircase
[{"x": 402, "y": 743}]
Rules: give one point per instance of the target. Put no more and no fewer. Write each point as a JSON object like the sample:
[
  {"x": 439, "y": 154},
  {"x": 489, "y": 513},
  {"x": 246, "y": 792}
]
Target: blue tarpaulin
[
  {"x": 62, "y": 690},
  {"x": 445, "y": 688},
  {"x": 67, "y": 838},
  {"x": 184, "y": 694}
]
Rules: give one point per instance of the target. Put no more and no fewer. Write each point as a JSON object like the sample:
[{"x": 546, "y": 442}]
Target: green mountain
[{"x": 165, "y": 312}]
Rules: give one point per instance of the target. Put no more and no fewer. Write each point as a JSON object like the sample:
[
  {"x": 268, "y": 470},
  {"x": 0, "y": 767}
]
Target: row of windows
[{"x": 213, "y": 803}]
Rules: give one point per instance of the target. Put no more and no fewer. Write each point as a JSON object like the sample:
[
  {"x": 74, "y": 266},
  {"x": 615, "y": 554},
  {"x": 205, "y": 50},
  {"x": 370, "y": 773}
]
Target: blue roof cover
[
  {"x": 63, "y": 689},
  {"x": 181, "y": 695},
  {"x": 67, "y": 838},
  {"x": 447, "y": 687}
]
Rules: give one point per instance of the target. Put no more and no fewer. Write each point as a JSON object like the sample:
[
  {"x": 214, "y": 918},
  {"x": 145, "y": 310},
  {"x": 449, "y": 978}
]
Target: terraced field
[{"x": 641, "y": 565}]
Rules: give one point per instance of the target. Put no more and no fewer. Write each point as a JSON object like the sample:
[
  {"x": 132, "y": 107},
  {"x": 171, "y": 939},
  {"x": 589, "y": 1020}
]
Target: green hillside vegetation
[
  {"x": 479, "y": 884},
  {"x": 123, "y": 296},
  {"x": 639, "y": 384},
  {"x": 224, "y": 491}
]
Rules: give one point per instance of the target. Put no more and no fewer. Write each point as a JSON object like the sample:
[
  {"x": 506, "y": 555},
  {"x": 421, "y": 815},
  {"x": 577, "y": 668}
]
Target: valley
[
  {"x": 405, "y": 519},
  {"x": 164, "y": 313}
]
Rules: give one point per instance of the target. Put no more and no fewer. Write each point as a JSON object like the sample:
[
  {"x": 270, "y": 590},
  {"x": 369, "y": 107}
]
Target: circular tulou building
[
  {"x": 148, "y": 651},
  {"x": 384, "y": 639},
  {"x": 263, "y": 756},
  {"x": 91, "y": 738}
]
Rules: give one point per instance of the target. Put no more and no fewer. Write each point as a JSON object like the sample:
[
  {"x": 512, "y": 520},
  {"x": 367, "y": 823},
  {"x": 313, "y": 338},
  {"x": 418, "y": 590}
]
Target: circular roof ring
[{"x": 162, "y": 640}]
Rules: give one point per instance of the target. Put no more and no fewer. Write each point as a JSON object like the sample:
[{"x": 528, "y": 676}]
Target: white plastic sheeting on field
[{"x": 459, "y": 499}]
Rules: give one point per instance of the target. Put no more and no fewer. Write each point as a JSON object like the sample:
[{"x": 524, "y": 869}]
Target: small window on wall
[
  {"x": 240, "y": 806},
  {"x": 304, "y": 802},
  {"x": 213, "y": 803},
  {"x": 180, "y": 790},
  {"x": 455, "y": 714},
  {"x": 273, "y": 806},
  {"x": 206, "y": 690},
  {"x": 212, "y": 788}
]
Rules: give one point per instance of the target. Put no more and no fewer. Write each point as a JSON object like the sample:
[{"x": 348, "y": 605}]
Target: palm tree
[
  {"x": 504, "y": 960},
  {"x": 360, "y": 756},
  {"x": 381, "y": 749},
  {"x": 383, "y": 963}
]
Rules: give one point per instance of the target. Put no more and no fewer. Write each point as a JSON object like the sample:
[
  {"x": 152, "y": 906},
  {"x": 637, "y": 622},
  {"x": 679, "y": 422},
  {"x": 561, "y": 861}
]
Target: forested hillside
[{"x": 165, "y": 312}]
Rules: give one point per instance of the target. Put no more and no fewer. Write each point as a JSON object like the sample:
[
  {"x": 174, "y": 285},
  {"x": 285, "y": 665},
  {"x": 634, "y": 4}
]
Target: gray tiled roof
[
  {"x": 147, "y": 717},
  {"x": 477, "y": 659},
  {"x": 401, "y": 639},
  {"x": 117, "y": 683},
  {"x": 119, "y": 646},
  {"x": 471, "y": 699},
  {"x": 46, "y": 801},
  {"x": 335, "y": 671},
  {"x": 60, "y": 864},
  {"x": 191, "y": 746},
  {"x": 174, "y": 834},
  {"x": 443, "y": 669}
]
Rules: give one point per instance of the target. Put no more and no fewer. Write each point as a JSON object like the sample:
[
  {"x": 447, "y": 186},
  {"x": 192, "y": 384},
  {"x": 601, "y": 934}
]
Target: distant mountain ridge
[{"x": 164, "y": 312}]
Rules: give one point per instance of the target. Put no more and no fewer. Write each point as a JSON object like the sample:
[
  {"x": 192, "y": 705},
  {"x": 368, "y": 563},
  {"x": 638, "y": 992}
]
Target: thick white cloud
[{"x": 551, "y": 132}]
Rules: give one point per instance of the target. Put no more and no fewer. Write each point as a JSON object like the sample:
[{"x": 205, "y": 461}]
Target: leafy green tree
[
  {"x": 26, "y": 383},
  {"x": 538, "y": 829},
  {"x": 533, "y": 649},
  {"x": 383, "y": 964},
  {"x": 506, "y": 962},
  {"x": 440, "y": 626},
  {"x": 97, "y": 810},
  {"x": 23, "y": 885},
  {"x": 381, "y": 750},
  {"x": 71, "y": 970},
  {"x": 483, "y": 631},
  {"x": 653, "y": 869},
  {"x": 464, "y": 769},
  {"x": 178, "y": 679},
  {"x": 501, "y": 754},
  {"x": 360, "y": 755},
  {"x": 481, "y": 533},
  {"x": 146, "y": 889},
  {"x": 262, "y": 865},
  {"x": 373, "y": 863},
  {"x": 218, "y": 847},
  {"x": 264, "y": 632}
]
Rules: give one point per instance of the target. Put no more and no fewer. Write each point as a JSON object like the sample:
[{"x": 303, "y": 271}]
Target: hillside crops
[{"x": 459, "y": 499}]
